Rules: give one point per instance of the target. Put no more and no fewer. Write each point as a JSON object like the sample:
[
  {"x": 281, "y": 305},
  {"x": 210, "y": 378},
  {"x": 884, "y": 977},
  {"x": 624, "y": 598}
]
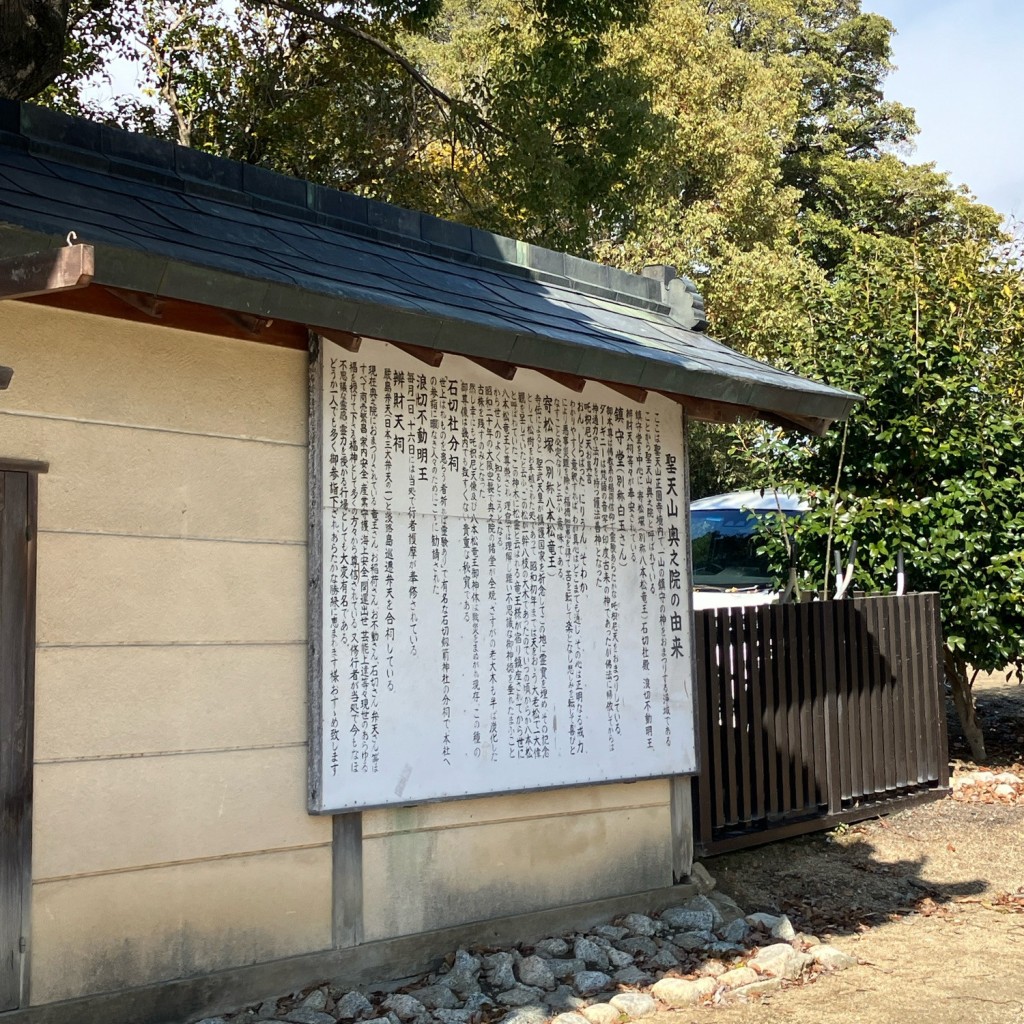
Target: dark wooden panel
[
  {"x": 887, "y": 682},
  {"x": 900, "y": 698},
  {"x": 807, "y": 713},
  {"x": 15, "y": 722},
  {"x": 775, "y": 713},
  {"x": 942, "y": 729},
  {"x": 831, "y": 645},
  {"x": 726, "y": 689},
  {"x": 705, "y": 781},
  {"x": 791, "y": 663},
  {"x": 741, "y": 708},
  {"x": 933, "y": 682},
  {"x": 755, "y": 647}
]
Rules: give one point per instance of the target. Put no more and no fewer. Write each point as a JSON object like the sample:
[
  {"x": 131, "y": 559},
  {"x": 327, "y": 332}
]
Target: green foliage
[
  {"x": 932, "y": 464},
  {"x": 749, "y": 143}
]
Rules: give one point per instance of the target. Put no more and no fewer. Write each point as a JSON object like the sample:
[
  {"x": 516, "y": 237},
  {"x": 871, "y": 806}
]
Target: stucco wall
[{"x": 170, "y": 833}]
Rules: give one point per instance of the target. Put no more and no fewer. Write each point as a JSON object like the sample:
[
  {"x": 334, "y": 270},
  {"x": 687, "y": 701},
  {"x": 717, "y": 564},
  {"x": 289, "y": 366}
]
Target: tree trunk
[
  {"x": 32, "y": 36},
  {"x": 963, "y": 701}
]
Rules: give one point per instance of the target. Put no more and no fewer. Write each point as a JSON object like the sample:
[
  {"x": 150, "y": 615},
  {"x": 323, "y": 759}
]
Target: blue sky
[{"x": 961, "y": 67}]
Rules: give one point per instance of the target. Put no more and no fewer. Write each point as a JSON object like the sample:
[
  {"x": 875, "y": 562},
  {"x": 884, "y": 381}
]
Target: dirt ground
[{"x": 930, "y": 900}]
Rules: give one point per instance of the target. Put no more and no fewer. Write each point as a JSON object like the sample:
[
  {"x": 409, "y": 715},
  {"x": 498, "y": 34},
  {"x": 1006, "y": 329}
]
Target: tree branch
[{"x": 448, "y": 105}]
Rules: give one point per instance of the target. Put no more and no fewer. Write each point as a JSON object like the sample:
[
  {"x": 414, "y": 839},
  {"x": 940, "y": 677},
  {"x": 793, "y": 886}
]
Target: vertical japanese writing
[{"x": 504, "y": 582}]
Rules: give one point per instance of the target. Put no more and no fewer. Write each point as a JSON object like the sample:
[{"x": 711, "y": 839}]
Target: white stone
[
  {"x": 760, "y": 988},
  {"x": 1005, "y": 789},
  {"x": 783, "y": 929},
  {"x": 680, "y": 992},
  {"x": 527, "y": 1015},
  {"x": 601, "y": 1013},
  {"x": 831, "y": 958},
  {"x": 781, "y": 961},
  {"x": 634, "y": 1004},
  {"x": 1008, "y": 778},
  {"x": 738, "y": 977},
  {"x": 572, "y": 1017}
]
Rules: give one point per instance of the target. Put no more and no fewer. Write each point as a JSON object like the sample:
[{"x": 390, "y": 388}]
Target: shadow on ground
[{"x": 835, "y": 884}]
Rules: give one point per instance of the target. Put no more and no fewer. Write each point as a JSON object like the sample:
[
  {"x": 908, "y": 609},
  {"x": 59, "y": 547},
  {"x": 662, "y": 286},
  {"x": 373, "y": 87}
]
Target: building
[{"x": 164, "y": 483}]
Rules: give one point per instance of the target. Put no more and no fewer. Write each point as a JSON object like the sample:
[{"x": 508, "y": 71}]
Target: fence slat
[
  {"x": 741, "y": 695},
  {"x": 754, "y": 652},
  {"x": 887, "y": 682},
  {"x": 768, "y": 620},
  {"x": 899, "y": 694}
]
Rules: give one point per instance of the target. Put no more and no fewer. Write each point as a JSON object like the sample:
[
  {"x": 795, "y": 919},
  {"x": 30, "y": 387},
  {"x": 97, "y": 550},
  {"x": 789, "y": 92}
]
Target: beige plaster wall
[{"x": 170, "y": 833}]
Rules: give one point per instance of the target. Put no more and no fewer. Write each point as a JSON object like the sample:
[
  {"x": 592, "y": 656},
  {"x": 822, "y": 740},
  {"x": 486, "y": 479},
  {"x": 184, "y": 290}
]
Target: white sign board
[{"x": 503, "y": 600}]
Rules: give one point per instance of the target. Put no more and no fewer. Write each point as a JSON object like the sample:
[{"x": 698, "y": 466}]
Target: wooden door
[{"x": 17, "y": 641}]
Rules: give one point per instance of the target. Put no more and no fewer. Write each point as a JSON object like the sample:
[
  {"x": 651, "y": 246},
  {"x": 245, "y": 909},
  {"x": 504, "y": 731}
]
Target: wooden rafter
[
  {"x": 568, "y": 380},
  {"x": 148, "y": 304},
  {"x": 349, "y": 342},
  {"x": 634, "y": 394},
  {"x": 43, "y": 273},
  {"x": 253, "y": 325},
  {"x": 506, "y": 371},
  {"x": 430, "y": 356}
]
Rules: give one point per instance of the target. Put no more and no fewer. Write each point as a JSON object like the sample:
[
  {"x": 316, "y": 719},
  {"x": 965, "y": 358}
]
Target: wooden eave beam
[
  {"x": 44, "y": 273},
  {"x": 724, "y": 412},
  {"x": 175, "y": 313}
]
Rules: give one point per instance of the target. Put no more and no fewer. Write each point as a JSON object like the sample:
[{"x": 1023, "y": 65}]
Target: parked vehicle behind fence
[{"x": 727, "y": 569}]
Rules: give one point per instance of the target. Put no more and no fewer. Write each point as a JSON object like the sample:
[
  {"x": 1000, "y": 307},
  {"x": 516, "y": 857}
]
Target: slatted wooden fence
[{"x": 812, "y": 714}]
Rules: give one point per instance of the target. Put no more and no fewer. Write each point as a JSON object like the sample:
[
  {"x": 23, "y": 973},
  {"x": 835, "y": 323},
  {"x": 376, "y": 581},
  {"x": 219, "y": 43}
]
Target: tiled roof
[{"x": 176, "y": 223}]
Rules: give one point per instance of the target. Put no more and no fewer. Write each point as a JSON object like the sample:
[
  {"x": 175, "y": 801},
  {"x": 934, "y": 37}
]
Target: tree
[
  {"x": 929, "y": 328},
  {"x": 33, "y": 34}
]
